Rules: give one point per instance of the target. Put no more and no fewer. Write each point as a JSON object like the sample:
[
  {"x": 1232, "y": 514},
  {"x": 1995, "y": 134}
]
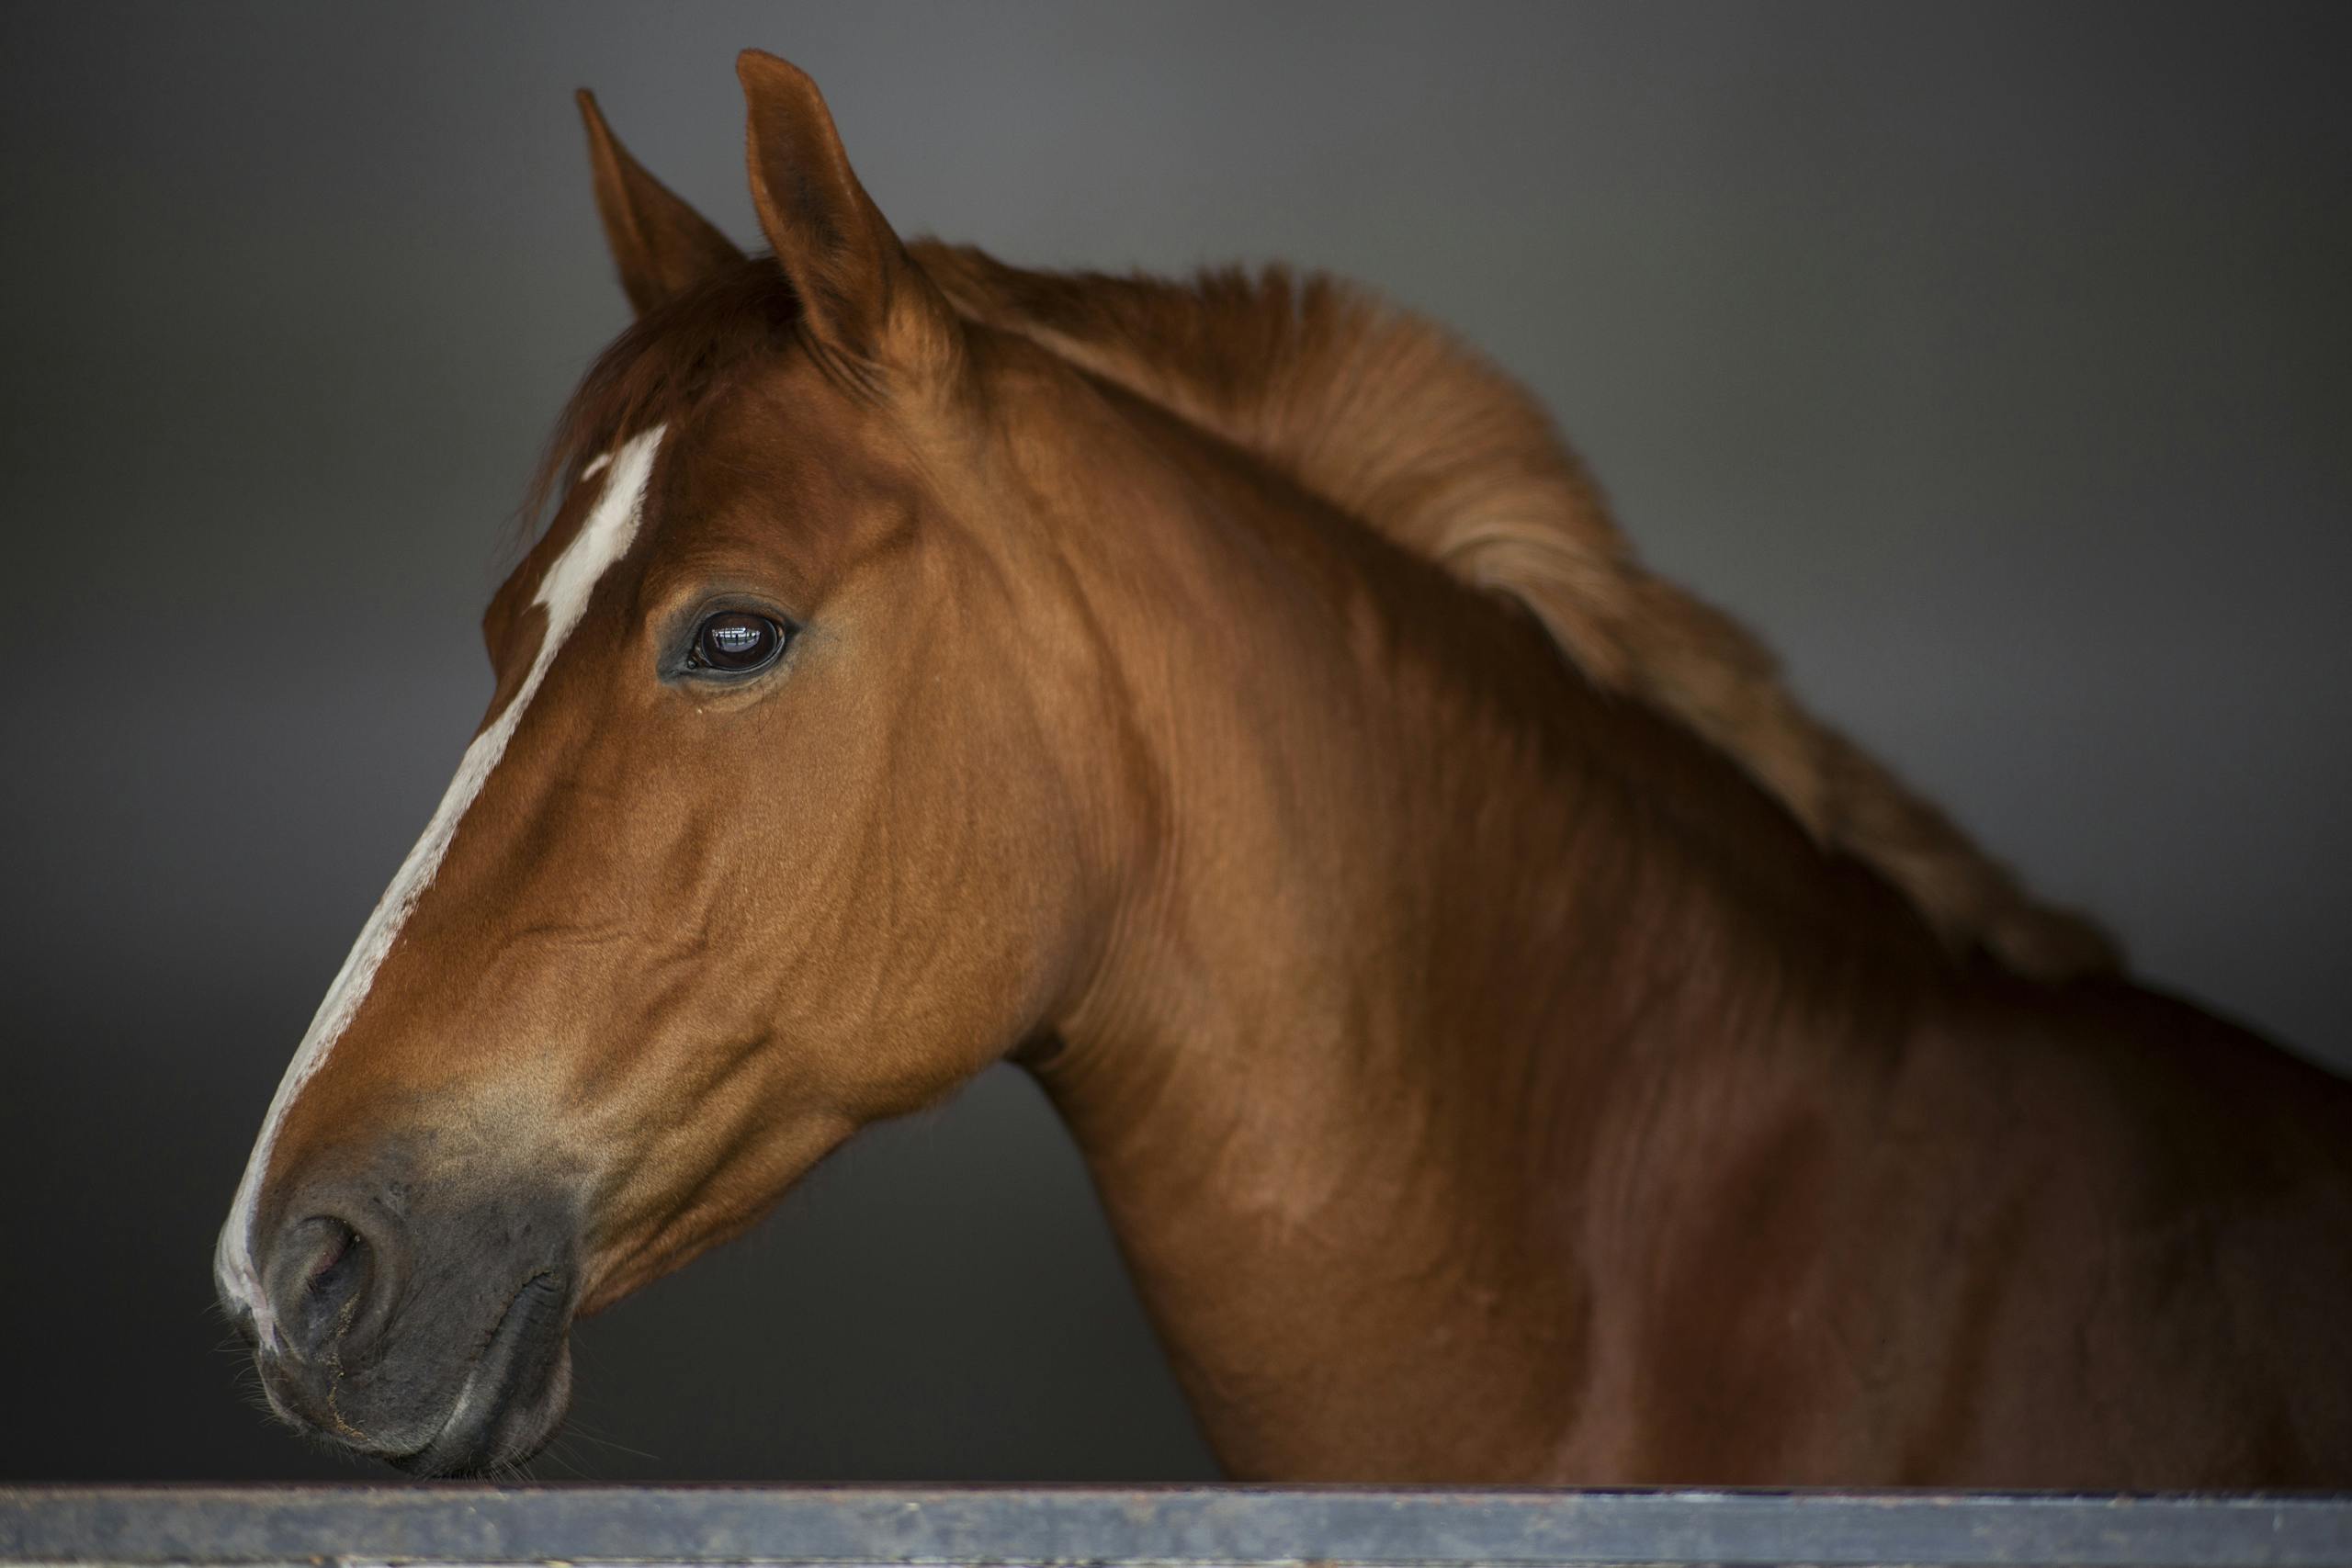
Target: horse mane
[{"x": 1394, "y": 422}]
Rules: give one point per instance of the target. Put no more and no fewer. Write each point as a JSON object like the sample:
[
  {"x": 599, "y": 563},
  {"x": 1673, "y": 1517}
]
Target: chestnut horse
[{"x": 1514, "y": 1040}]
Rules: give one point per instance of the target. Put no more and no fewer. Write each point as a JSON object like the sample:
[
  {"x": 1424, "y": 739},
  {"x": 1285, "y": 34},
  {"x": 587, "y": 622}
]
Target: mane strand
[{"x": 1393, "y": 421}]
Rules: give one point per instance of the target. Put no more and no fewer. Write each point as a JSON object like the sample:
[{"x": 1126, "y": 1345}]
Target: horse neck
[{"x": 1417, "y": 920}]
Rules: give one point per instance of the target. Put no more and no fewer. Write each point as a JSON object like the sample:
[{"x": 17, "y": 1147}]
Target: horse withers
[{"x": 1514, "y": 1040}]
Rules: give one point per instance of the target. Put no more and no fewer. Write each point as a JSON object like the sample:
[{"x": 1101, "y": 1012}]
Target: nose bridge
[
  {"x": 494, "y": 955},
  {"x": 603, "y": 537},
  {"x": 326, "y": 1057},
  {"x": 497, "y": 924}
]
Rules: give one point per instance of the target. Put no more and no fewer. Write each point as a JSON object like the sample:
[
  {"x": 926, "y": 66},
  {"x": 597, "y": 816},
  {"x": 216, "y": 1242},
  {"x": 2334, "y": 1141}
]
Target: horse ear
[
  {"x": 861, "y": 295},
  {"x": 662, "y": 245}
]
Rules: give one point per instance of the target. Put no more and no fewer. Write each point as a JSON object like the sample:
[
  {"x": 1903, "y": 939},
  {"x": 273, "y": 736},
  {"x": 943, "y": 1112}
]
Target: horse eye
[{"x": 735, "y": 642}]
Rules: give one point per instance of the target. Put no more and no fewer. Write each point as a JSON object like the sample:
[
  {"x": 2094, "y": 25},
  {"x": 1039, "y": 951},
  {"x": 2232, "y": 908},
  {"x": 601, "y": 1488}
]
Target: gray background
[{"x": 1997, "y": 361}]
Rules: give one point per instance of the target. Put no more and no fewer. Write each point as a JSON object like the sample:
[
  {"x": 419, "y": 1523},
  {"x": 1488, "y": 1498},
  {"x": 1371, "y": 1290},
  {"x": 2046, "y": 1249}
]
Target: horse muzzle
[{"x": 416, "y": 1322}]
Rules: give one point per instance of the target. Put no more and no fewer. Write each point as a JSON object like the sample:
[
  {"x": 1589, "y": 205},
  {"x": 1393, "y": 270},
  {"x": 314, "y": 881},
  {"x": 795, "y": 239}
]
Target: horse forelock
[
  {"x": 662, "y": 367},
  {"x": 1386, "y": 415}
]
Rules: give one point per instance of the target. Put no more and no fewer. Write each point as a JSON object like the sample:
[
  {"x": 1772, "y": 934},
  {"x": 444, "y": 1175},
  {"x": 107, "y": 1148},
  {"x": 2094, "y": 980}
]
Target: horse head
[{"x": 771, "y": 828}]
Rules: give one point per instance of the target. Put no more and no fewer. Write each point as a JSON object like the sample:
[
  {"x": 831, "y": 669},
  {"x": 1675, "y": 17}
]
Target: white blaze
[{"x": 603, "y": 539}]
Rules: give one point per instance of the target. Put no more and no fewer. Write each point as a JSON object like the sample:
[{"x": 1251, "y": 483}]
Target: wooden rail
[{"x": 251, "y": 1526}]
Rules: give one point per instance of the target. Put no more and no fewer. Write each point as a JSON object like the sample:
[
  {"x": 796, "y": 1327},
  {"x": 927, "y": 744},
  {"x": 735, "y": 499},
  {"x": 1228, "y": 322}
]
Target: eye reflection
[{"x": 735, "y": 642}]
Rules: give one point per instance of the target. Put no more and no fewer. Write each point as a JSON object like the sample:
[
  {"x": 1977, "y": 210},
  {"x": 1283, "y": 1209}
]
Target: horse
[{"x": 1514, "y": 1040}]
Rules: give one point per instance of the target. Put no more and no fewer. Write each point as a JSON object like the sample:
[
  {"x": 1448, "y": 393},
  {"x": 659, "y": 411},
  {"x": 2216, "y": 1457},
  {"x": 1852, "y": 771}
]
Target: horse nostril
[{"x": 330, "y": 1266}]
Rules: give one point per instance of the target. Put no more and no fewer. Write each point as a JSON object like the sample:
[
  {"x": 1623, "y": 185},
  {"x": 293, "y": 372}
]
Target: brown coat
[{"x": 1514, "y": 1040}]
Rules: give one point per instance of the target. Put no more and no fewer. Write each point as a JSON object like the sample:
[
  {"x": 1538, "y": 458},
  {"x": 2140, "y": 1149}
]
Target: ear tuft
[{"x": 661, "y": 245}]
